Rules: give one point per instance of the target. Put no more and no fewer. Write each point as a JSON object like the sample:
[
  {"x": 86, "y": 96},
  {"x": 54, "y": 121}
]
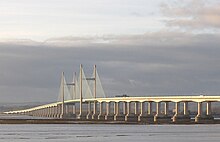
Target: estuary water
[{"x": 108, "y": 133}]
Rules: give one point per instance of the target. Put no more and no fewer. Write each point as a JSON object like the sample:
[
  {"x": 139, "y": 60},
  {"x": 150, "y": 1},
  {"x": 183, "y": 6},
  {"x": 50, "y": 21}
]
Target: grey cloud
[{"x": 163, "y": 63}]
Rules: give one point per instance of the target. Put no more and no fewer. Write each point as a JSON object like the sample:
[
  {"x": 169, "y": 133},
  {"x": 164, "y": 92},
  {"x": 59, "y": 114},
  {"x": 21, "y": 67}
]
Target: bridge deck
[{"x": 200, "y": 98}]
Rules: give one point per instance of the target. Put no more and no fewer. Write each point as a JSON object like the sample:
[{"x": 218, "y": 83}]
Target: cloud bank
[{"x": 162, "y": 63}]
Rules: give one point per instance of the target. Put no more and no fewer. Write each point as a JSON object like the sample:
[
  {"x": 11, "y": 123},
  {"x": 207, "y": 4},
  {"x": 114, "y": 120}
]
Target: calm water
[{"x": 109, "y": 133}]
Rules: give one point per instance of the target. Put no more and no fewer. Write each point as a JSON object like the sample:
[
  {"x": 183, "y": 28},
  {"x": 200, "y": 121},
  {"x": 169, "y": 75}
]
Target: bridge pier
[
  {"x": 178, "y": 118},
  {"x": 108, "y": 116},
  {"x": 199, "y": 118},
  {"x": 59, "y": 111},
  {"x": 48, "y": 112},
  {"x": 146, "y": 117},
  {"x": 101, "y": 115},
  {"x": 81, "y": 115},
  {"x": 136, "y": 111},
  {"x": 149, "y": 117},
  {"x": 162, "y": 118},
  {"x": 42, "y": 112},
  {"x": 53, "y": 111},
  {"x": 207, "y": 118},
  {"x": 209, "y": 111},
  {"x": 45, "y": 112},
  {"x": 118, "y": 116},
  {"x": 69, "y": 111},
  {"x": 89, "y": 115},
  {"x": 131, "y": 117},
  {"x": 95, "y": 115},
  {"x": 35, "y": 113},
  {"x": 142, "y": 117}
]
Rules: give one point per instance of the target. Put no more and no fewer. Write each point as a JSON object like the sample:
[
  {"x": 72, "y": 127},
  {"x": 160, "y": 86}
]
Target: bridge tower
[
  {"x": 95, "y": 115},
  {"x": 81, "y": 116}
]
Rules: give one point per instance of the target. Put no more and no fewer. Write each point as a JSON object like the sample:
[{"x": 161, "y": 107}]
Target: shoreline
[{"x": 72, "y": 121}]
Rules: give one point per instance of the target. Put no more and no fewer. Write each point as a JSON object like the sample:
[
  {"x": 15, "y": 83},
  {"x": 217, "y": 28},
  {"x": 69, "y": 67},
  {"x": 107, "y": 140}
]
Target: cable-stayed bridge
[{"x": 84, "y": 99}]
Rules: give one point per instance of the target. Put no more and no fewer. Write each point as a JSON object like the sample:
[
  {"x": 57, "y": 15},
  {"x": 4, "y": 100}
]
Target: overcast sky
[{"x": 141, "y": 47}]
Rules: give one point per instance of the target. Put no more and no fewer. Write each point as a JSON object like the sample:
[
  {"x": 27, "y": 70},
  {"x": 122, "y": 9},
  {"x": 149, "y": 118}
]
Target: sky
[{"x": 140, "y": 47}]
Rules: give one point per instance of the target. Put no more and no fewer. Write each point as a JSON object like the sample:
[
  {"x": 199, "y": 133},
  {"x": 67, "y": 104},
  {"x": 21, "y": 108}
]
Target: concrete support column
[
  {"x": 199, "y": 117},
  {"x": 145, "y": 118},
  {"x": 142, "y": 108},
  {"x": 49, "y": 111},
  {"x": 185, "y": 108},
  {"x": 42, "y": 112},
  {"x": 108, "y": 115},
  {"x": 39, "y": 113},
  {"x": 136, "y": 108},
  {"x": 100, "y": 107},
  {"x": 131, "y": 117},
  {"x": 149, "y": 108},
  {"x": 89, "y": 115},
  {"x": 118, "y": 116},
  {"x": 101, "y": 116},
  {"x": 107, "y": 108},
  {"x": 74, "y": 109},
  {"x": 89, "y": 107},
  {"x": 181, "y": 118},
  {"x": 53, "y": 111},
  {"x": 45, "y": 112},
  {"x": 115, "y": 108},
  {"x": 208, "y": 118},
  {"x": 158, "y": 108},
  {"x": 95, "y": 107},
  {"x": 95, "y": 115},
  {"x": 128, "y": 115},
  {"x": 208, "y": 109},
  {"x": 32, "y": 113},
  {"x": 177, "y": 106},
  {"x": 128, "y": 108},
  {"x": 199, "y": 109},
  {"x": 66, "y": 109},
  {"x": 58, "y": 111},
  {"x": 166, "y": 108},
  {"x": 124, "y": 108},
  {"x": 159, "y": 118},
  {"x": 36, "y": 113},
  {"x": 71, "y": 111}
]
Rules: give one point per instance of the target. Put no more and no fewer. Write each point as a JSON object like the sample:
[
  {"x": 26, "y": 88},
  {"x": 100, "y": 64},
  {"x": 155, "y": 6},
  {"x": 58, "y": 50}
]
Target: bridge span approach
[{"x": 77, "y": 101}]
